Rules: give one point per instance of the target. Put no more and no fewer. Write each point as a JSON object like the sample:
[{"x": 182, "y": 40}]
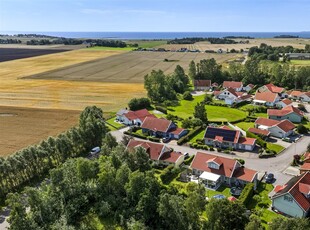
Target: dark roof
[{"x": 228, "y": 135}]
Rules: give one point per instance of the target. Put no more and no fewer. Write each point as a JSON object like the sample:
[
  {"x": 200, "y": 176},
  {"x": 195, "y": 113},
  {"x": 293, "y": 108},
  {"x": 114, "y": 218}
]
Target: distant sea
[{"x": 159, "y": 35}]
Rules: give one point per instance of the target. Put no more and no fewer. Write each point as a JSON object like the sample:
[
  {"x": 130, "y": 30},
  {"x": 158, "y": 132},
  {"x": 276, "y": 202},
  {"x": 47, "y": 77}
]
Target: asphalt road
[{"x": 276, "y": 165}]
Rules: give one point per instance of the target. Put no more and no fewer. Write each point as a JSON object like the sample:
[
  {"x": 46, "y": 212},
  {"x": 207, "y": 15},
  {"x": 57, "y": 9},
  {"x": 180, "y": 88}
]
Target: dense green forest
[
  {"x": 73, "y": 41},
  {"x": 194, "y": 40}
]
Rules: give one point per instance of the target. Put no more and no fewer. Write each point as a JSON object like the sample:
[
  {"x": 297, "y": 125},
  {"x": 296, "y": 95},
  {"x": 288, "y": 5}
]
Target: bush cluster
[
  {"x": 168, "y": 174},
  {"x": 135, "y": 135},
  {"x": 246, "y": 193}
]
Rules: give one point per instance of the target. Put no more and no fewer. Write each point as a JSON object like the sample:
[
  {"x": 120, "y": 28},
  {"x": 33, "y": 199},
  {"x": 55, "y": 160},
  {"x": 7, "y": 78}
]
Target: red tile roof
[
  {"x": 202, "y": 83},
  {"x": 266, "y": 122},
  {"x": 296, "y": 93},
  {"x": 227, "y": 166},
  {"x": 286, "y": 125},
  {"x": 139, "y": 114},
  {"x": 156, "y": 124},
  {"x": 177, "y": 131},
  {"x": 275, "y": 89},
  {"x": 247, "y": 141},
  {"x": 278, "y": 188},
  {"x": 244, "y": 97},
  {"x": 171, "y": 157},
  {"x": 266, "y": 96},
  {"x": 285, "y": 111},
  {"x": 250, "y": 85},
  {"x": 233, "y": 92},
  {"x": 218, "y": 138},
  {"x": 200, "y": 162},
  {"x": 154, "y": 150},
  {"x": 296, "y": 187},
  {"x": 245, "y": 174},
  {"x": 305, "y": 166},
  {"x": 217, "y": 92},
  {"x": 287, "y": 101},
  {"x": 215, "y": 84},
  {"x": 232, "y": 84},
  {"x": 259, "y": 131},
  {"x": 307, "y": 156}
]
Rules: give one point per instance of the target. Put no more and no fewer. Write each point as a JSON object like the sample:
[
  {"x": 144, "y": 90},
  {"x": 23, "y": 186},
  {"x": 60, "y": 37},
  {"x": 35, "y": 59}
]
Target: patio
[{"x": 210, "y": 180}]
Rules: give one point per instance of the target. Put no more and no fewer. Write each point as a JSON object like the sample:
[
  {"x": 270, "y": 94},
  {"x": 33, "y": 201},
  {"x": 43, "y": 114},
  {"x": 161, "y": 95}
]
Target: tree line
[
  {"x": 200, "y": 39},
  {"x": 267, "y": 52},
  {"x": 73, "y": 41},
  {"x": 33, "y": 161},
  {"x": 254, "y": 72},
  {"x": 10, "y": 41}
]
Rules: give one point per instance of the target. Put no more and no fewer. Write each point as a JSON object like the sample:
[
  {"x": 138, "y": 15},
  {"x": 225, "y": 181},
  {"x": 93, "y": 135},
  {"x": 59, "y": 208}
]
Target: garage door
[{"x": 248, "y": 147}]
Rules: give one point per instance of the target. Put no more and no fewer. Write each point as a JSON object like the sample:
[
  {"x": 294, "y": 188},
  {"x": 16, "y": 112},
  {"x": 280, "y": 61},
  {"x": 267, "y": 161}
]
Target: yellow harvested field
[
  {"x": 61, "y": 94},
  {"x": 21, "y": 127}
]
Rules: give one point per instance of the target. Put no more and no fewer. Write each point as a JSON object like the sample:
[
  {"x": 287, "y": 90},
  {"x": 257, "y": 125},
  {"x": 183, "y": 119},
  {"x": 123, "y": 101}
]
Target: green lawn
[
  {"x": 261, "y": 115},
  {"x": 149, "y": 44},
  {"x": 198, "y": 136},
  {"x": 112, "y": 122},
  {"x": 223, "y": 190},
  {"x": 245, "y": 125},
  {"x": 218, "y": 113},
  {"x": 110, "y": 48},
  {"x": 186, "y": 108},
  {"x": 275, "y": 147},
  {"x": 266, "y": 215},
  {"x": 92, "y": 221}
]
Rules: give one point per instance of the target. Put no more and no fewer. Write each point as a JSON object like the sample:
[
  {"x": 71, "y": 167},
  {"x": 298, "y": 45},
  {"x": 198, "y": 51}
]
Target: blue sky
[{"x": 155, "y": 15}]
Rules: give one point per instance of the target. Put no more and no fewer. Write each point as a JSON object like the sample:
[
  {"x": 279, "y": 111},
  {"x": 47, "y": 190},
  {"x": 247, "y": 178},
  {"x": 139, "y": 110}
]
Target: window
[
  {"x": 213, "y": 165},
  {"x": 288, "y": 198}
]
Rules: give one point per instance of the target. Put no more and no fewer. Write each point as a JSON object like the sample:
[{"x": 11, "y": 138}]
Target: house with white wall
[
  {"x": 290, "y": 113},
  {"x": 236, "y": 85},
  {"x": 266, "y": 98},
  {"x": 280, "y": 129}
]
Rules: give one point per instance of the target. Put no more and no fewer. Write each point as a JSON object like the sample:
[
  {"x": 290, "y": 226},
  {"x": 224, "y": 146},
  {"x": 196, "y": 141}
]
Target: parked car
[
  {"x": 166, "y": 139},
  {"x": 95, "y": 150},
  {"x": 186, "y": 155},
  {"x": 269, "y": 178}
]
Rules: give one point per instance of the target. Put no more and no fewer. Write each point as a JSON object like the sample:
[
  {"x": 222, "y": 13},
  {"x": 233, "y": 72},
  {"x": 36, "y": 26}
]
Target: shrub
[
  {"x": 139, "y": 103},
  {"x": 154, "y": 139},
  {"x": 247, "y": 193},
  {"x": 168, "y": 174},
  {"x": 135, "y": 135},
  {"x": 189, "y": 160},
  {"x": 161, "y": 109},
  {"x": 259, "y": 140},
  {"x": 190, "y": 135},
  {"x": 241, "y": 161},
  {"x": 187, "y": 96},
  {"x": 219, "y": 149},
  {"x": 211, "y": 149},
  {"x": 302, "y": 129}
]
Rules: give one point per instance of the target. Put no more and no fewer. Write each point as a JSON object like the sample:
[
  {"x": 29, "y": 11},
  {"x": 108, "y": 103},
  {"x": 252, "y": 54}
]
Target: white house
[
  {"x": 214, "y": 170},
  {"x": 266, "y": 98},
  {"x": 129, "y": 117},
  {"x": 289, "y": 112},
  {"x": 293, "y": 198},
  {"x": 280, "y": 129},
  {"x": 273, "y": 89},
  {"x": 231, "y": 96}
]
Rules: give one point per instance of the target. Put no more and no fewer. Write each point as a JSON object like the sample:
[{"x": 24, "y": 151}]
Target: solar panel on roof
[{"x": 228, "y": 135}]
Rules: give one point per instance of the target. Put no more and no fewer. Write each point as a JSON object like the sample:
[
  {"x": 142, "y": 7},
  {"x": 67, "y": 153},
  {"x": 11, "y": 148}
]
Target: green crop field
[{"x": 300, "y": 62}]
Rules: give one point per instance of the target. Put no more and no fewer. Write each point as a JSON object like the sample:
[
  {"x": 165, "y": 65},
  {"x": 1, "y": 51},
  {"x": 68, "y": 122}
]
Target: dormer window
[{"x": 213, "y": 165}]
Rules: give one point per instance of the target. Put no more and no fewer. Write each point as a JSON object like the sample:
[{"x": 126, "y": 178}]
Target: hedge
[
  {"x": 135, "y": 135},
  {"x": 189, "y": 160},
  {"x": 168, "y": 174},
  {"x": 161, "y": 109},
  {"x": 247, "y": 193},
  {"x": 154, "y": 139},
  {"x": 190, "y": 135},
  {"x": 259, "y": 140}
]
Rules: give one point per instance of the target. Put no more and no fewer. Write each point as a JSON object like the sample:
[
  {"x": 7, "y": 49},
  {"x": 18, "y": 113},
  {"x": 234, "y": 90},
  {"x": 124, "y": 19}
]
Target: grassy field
[
  {"x": 245, "y": 125},
  {"x": 300, "y": 62},
  {"x": 128, "y": 67},
  {"x": 275, "y": 147},
  {"x": 198, "y": 136},
  {"x": 214, "y": 113},
  {"x": 21, "y": 127}
]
